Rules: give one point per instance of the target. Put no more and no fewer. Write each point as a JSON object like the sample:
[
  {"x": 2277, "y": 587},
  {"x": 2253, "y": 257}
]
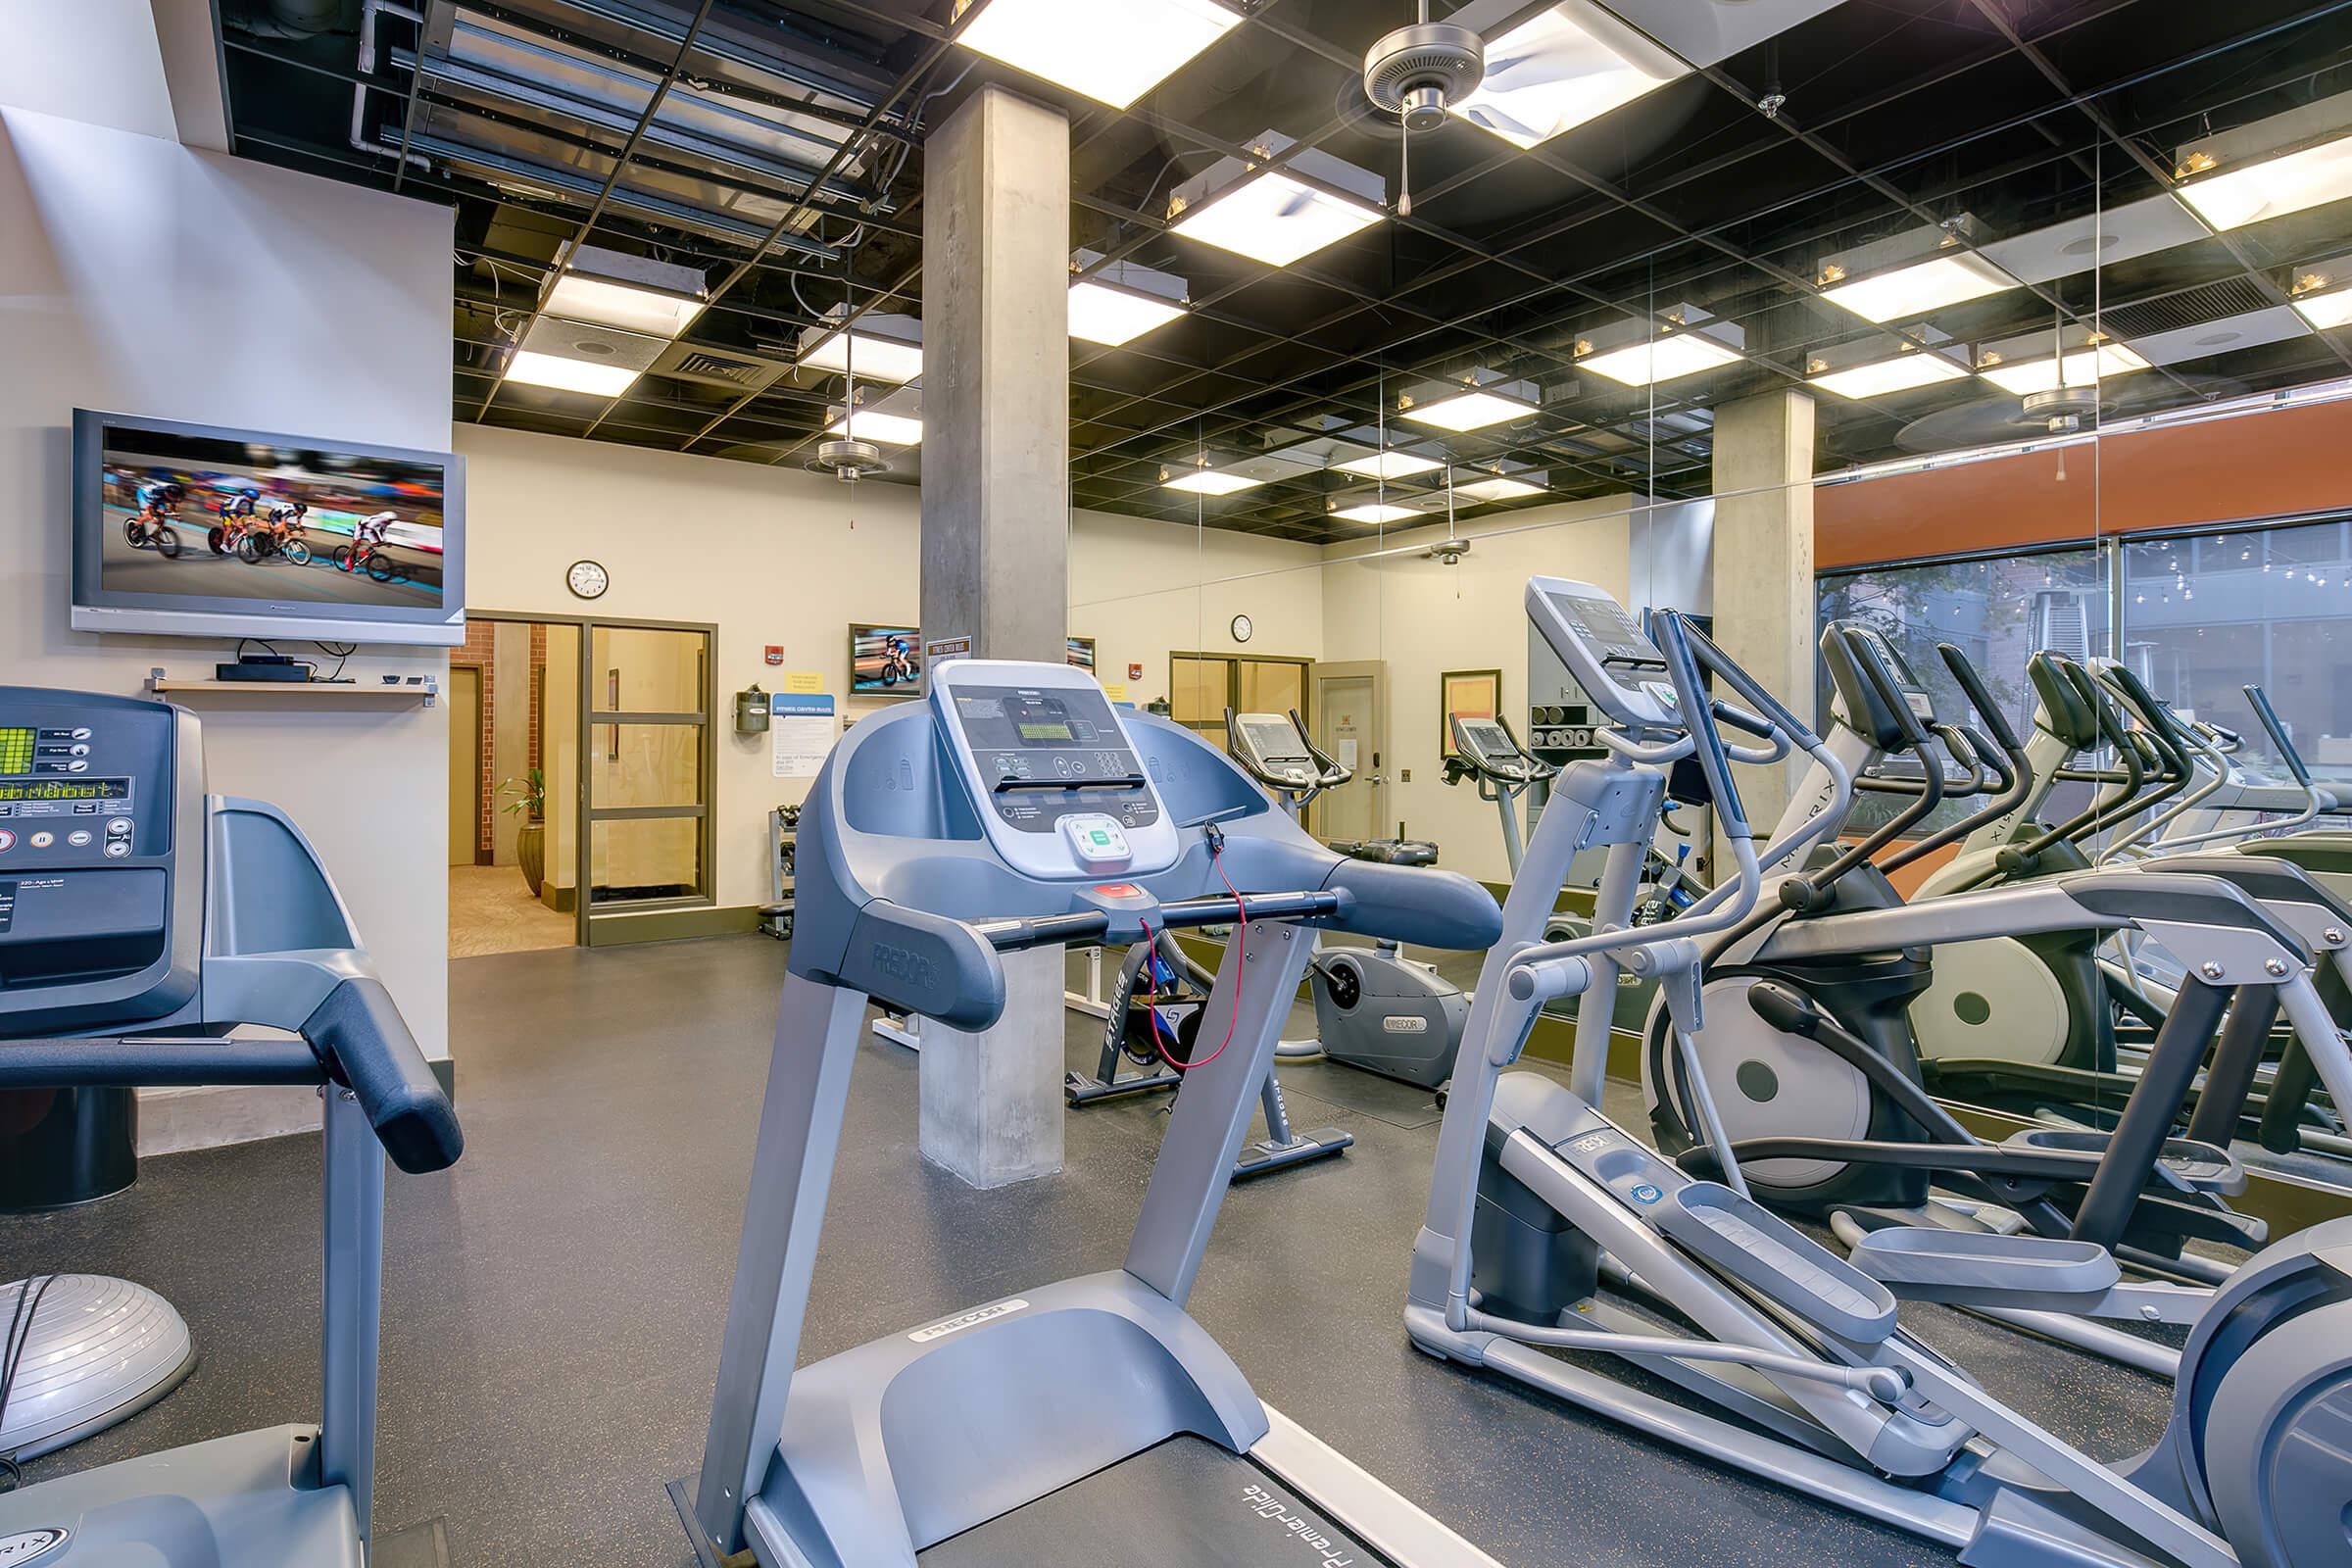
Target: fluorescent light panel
[
  {"x": 1100, "y": 313},
  {"x": 565, "y": 375},
  {"x": 1210, "y": 482},
  {"x": 1273, "y": 219},
  {"x": 2273, "y": 187},
  {"x": 1901, "y": 373},
  {"x": 1376, "y": 512},
  {"x": 879, "y": 359},
  {"x": 1388, "y": 466},
  {"x": 1571, "y": 64},
  {"x": 2324, "y": 311},
  {"x": 648, "y": 310},
  {"x": 869, "y": 425},
  {"x": 1497, "y": 489},
  {"x": 1660, "y": 359},
  {"x": 1472, "y": 410},
  {"x": 1921, "y": 287},
  {"x": 1113, "y": 51},
  {"x": 2083, "y": 367}
]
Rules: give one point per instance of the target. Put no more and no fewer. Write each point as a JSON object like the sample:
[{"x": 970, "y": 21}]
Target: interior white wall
[
  {"x": 776, "y": 556},
  {"x": 1382, "y": 599},
  {"x": 95, "y": 61},
  {"x": 142, "y": 277}
]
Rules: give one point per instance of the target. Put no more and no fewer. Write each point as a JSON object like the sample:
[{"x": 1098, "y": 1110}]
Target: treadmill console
[
  {"x": 1618, "y": 667},
  {"x": 1274, "y": 750},
  {"x": 1060, "y": 789},
  {"x": 88, "y": 791}
]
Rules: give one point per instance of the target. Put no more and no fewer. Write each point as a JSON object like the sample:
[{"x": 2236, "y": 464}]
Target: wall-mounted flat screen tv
[
  {"x": 885, "y": 660},
  {"x": 203, "y": 531}
]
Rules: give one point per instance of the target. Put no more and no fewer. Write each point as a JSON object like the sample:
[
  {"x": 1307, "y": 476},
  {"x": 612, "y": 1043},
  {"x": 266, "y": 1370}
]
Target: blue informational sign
[{"x": 801, "y": 705}]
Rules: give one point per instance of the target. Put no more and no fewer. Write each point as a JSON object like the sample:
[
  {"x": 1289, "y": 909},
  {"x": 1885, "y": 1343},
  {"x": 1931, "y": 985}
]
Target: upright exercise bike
[
  {"x": 1551, "y": 1228},
  {"x": 1374, "y": 1009}
]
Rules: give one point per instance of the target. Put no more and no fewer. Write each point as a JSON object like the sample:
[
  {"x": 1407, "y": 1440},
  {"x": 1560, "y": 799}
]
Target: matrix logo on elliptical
[
  {"x": 966, "y": 1320},
  {"x": 27, "y": 1544},
  {"x": 903, "y": 965}
]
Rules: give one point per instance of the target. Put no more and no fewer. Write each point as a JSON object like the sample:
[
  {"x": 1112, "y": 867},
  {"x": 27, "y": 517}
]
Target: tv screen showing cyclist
[{"x": 200, "y": 514}]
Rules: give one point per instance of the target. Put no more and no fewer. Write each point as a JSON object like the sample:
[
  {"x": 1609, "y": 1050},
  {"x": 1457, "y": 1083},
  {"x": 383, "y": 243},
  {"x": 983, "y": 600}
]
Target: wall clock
[
  {"x": 587, "y": 579},
  {"x": 1242, "y": 628}
]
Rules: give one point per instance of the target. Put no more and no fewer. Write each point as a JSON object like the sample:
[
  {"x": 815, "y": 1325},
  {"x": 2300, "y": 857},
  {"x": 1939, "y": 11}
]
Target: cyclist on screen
[{"x": 160, "y": 499}]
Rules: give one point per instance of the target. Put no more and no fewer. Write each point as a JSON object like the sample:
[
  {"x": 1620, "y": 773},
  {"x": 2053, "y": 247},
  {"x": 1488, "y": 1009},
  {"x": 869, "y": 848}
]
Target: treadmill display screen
[
  {"x": 15, "y": 750},
  {"x": 1047, "y": 751},
  {"x": 63, "y": 789},
  {"x": 1607, "y": 629}
]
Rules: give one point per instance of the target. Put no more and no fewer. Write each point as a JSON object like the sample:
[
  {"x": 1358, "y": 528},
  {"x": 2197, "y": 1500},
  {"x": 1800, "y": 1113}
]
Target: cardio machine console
[
  {"x": 1619, "y": 668},
  {"x": 1898, "y": 668},
  {"x": 1061, "y": 790},
  {"x": 1491, "y": 749},
  {"x": 1274, "y": 750}
]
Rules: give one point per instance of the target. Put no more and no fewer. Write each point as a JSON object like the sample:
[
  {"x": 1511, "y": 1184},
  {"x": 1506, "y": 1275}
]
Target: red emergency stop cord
[{"x": 1159, "y": 1041}]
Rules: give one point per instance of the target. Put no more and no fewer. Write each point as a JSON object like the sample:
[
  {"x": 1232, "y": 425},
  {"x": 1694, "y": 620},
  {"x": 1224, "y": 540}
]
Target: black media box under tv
[{"x": 262, "y": 668}]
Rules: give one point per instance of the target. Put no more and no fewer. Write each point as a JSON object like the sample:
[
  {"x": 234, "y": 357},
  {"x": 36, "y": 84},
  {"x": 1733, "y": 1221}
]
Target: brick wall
[{"x": 481, "y": 651}]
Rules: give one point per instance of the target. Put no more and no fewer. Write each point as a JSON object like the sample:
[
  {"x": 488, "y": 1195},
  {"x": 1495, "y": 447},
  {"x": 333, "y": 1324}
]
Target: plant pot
[{"x": 531, "y": 854}]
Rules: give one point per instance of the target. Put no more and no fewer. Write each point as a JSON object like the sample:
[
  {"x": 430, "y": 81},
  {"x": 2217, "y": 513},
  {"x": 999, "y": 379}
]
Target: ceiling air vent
[{"x": 738, "y": 373}]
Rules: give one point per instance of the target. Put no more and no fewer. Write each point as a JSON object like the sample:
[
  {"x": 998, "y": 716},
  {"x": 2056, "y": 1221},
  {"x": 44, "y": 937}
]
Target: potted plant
[{"x": 530, "y": 841}]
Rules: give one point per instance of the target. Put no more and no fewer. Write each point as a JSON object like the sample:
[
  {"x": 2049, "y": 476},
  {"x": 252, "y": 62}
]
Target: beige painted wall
[
  {"x": 1382, "y": 599},
  {"x": 774, "y": 556},
  {"x": 241, "y": 295}
]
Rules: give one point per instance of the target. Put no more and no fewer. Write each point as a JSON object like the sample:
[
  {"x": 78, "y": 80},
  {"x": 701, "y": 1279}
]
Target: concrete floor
[
  {"x": 553, "y": 1304},
  {"x": 491, "y": 910}
]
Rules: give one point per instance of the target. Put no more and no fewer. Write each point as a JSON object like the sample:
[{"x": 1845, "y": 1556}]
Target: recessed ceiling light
[
  {"x": 1275, "y": 219},
  {"x": 2083, "y": 367},
  {"x": 1113, "y": 51},
  {"x": 2323, "y": 311},
  {"x": 875, "y": 358},
  {"x": 871, "y": 424},
  {"x": 1471, "y": 411},
  {"x": 1900, "y": 372},
  {"x": 1497, "y": 490},
  {"x": 1660, "y": 359},
  {"x": 1376, "y": 512},
  {"x": 656, "y": 314},
  {"x": 1921, "y": 287},
  {"x": 1560, "y": 69},
  {"x": 1108, "y": 316},
  {"x": 2234, "y": 197},
  {"x": 564, "y": 374},
  {"x": 1210, "y": 482},
  {"x": 1388, "y": 466}
]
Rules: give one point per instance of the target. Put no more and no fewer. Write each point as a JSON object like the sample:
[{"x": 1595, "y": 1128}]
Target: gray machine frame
[
  {"x": 871, "y": 1455},
  {"x": 257, "y": 935}
]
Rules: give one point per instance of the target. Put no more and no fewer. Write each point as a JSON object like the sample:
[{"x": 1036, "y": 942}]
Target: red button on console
[
  {"x": 1119, "y": 890},
  {"x": 8, "y": 840}
]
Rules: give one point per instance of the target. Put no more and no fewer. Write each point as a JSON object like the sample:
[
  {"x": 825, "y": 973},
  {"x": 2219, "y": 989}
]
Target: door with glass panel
[{"x": 645, "y": 769}]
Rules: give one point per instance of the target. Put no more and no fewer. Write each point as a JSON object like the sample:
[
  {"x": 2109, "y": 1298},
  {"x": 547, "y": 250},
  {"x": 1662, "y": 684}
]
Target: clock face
[
  {"x": 587, "y": 579},
  {"x": 1242, "y": 628}
]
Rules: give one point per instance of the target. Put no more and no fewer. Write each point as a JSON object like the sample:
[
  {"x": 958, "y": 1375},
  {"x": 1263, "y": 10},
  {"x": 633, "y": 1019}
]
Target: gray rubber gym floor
[{"x": 554, "y": 1304}]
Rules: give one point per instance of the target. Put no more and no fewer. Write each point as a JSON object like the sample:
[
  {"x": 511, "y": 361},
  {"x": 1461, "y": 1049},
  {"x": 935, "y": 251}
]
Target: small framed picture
[
  {"x": 1081, "y": 653},
  {"x": 1470, "y": 694}
]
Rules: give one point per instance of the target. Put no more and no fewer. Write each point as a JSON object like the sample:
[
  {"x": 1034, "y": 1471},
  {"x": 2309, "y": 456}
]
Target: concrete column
[
  {"x": 995, "y": 547},
  {"x": 1763, "y": 593}
]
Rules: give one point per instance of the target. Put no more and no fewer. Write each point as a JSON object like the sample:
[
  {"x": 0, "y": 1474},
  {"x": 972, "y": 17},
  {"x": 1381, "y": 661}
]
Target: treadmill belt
[{"x": 1187, "y": 1503}]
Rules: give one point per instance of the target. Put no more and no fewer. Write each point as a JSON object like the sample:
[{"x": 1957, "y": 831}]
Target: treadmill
[
  {"x": 141, "y": 922},
  {"x": 1090, "y": 1419}
]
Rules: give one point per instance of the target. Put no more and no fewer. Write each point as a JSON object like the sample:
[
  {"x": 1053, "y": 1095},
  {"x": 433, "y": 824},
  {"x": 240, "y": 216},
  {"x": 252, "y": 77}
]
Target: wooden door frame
[
  {"x": 1376, "y": 670},
  {"x": 481, "y": 764}
]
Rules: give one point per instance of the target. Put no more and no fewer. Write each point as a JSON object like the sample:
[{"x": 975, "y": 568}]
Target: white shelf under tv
[{"x": 426, "y": 692}]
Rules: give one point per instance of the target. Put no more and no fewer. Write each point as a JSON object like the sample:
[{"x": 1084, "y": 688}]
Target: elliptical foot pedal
[
  {"x": 1982, "y": 1268},
  {"x": 1762, "y": 1251},
  {"x": 2190, "y": 1166}
]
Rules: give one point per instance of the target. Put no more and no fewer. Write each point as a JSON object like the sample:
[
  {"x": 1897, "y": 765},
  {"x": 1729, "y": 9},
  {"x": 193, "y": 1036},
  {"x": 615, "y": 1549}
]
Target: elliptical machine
[
  {"x": 1374, "y": 1009},
  {"x": 1551, "y": 1228}
]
